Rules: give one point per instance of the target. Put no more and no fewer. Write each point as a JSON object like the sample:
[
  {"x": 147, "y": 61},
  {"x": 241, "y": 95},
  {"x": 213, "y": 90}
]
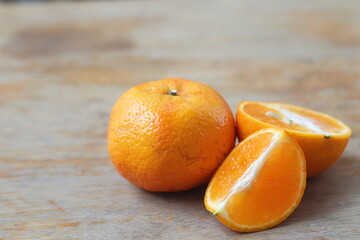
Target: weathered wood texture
[{"x": 63, "y": 65}]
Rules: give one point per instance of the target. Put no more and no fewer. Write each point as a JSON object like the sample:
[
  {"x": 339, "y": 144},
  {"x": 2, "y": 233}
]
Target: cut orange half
[
  {"x": 321, "y": 137},
  {"x": 260, "y": 183}
]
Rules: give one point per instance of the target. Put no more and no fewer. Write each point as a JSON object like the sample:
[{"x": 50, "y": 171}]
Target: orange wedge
[
  {"x": 260, "y": 183},
  {"x": 321, "y": 137}
]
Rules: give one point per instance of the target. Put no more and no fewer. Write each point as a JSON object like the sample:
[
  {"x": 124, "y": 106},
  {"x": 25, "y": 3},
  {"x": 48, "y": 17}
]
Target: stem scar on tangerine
[{"x": 172, "y": 92}]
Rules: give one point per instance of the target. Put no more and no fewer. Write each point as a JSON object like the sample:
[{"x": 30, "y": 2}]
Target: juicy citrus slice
[
  {"x": 321, "y": 137},
  {"x": 260, "y": 183}
]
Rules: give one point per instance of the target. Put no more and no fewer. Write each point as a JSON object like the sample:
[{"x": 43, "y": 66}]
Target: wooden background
[{"x": 63, "y": 65}]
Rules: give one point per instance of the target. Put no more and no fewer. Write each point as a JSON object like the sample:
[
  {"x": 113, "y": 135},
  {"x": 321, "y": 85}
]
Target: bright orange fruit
[
  {"x": 260, "y": 183},
  {"x": 170, "y": 135},
  {"x": 321, "y": 137}
]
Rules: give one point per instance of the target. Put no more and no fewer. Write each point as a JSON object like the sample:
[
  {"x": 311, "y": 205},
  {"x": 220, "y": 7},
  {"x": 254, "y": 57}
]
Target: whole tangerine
[{"x": 170, "y": 135}]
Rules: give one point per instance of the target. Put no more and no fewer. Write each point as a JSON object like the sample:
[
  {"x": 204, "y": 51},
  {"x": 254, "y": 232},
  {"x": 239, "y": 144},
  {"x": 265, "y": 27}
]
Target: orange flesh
[
  {"x": 273, "y": 191},
  {"x": 260, "y": 111},
  {"x": 260, "y": 183},
  {"x": 235, "y": 165}
]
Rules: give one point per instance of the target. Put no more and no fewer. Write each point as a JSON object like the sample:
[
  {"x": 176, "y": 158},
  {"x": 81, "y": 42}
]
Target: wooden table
[{"x": 63, "y": 65}]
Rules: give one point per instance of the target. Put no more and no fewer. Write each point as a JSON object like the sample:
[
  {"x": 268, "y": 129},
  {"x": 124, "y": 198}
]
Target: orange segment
[
  {"x": 259, "y": 184},
  {"x": 321, "y": 137},
  {"x": 293, "y": 118},
  {"x": 238, "y": 164}
]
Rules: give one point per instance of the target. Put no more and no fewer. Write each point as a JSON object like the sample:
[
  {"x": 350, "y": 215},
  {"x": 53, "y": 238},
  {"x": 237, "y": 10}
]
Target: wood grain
[{"x": 63, "y": 65}]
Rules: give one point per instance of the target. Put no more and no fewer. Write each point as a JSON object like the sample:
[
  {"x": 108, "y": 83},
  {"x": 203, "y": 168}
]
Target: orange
[
  {"x": 321, "y": 137},
  {"x": 170, "y": 135},
  {"x": 260, "y": 183}
]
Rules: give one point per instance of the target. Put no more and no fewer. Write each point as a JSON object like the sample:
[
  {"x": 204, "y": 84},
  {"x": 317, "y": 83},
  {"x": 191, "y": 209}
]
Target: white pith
[
  {"x": 290, "y": 117},
  {"x": 249, "y": 175}
]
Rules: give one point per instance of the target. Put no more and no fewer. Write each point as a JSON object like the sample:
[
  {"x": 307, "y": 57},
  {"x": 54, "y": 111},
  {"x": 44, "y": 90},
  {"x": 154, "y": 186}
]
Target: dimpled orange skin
[
  {"x": 163, "y": 142},
  {"x": 320, "y": 152}
]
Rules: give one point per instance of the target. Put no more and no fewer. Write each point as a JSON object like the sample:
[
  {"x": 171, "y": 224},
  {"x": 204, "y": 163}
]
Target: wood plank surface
[{"x": 63, "y": 65}]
